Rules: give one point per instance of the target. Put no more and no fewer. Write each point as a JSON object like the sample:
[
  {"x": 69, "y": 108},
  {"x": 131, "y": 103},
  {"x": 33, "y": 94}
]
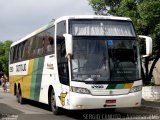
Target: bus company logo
[
  {"x": 50, "y": 66},
  {"x": 97, "y": 86},
  {"x": 62, "y": 98}
]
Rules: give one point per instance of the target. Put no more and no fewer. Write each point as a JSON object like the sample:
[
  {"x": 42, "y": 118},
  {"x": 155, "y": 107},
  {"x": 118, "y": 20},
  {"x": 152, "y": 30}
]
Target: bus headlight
[
  {"x": 80, "y": 90},
  {"x": 136, "y": 89}
]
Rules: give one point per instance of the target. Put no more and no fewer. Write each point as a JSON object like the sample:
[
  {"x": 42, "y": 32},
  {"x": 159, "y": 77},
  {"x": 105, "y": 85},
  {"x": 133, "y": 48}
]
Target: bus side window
[
  {"x": 16, "y": 53},
  {"x": 31, "y": 48},
  {"x": 40, "y": 44},
  {"x": 49, "y": 41},
  {"x": 34, "y": 46},
  {"x": 11, "y": 55},
  {"x": 50, "y": 44},
  {"x": 26, "y": 50},
  {"x": 62, "y": 63},
  {"x": 20, "y": 51},
  {"x": 61, "y": 52}
]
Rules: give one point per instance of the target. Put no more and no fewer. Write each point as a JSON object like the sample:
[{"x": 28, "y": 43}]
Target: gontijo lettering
[
  {"x": 10, "y": 69},
  {"x": 20, "y": 67}
]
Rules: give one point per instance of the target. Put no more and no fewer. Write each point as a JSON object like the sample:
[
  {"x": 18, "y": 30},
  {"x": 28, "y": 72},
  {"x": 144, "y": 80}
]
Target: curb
[{"x": 148, "y": 108}]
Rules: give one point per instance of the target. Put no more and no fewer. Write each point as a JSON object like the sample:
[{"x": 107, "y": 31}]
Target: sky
[{"x": 18, "y": 18}]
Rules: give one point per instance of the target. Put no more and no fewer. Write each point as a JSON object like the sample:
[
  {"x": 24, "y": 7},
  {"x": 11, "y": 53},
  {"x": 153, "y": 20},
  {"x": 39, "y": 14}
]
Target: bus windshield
[{"x": 102, "y": 59}]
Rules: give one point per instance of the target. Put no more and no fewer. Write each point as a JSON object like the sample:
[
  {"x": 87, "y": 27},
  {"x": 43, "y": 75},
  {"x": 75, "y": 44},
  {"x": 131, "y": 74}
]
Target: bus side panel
[
  {"x": 11, "y": 84},
  {"x": 16, "y": 75},
  {"x": 27, "y": 80},
  {"x": 36, "y": 78},
  {"x": 14, "y": 80},
  {"x": 49, "y": 78},
  {"x": 21, "y": 76}
]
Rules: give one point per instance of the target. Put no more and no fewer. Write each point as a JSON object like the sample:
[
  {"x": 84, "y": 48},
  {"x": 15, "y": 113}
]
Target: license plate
[{"x": 110, "y": 102}]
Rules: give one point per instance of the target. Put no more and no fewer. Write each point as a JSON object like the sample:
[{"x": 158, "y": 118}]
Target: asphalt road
[{"x": 11, "y": 110}]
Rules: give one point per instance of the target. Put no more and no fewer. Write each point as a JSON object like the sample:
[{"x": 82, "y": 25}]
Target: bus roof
[
  {"x": 50, "y": 24},
  {"x": 92, "y": 17}
]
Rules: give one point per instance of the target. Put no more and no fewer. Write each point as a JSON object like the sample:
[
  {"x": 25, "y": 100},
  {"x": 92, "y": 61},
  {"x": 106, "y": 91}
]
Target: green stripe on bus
[
  {"x": 119, "y": 86},
  {"x": 111, "y": 86},
  {"x": 39, "y": 78},
  {"x": 34, "y": 76}
]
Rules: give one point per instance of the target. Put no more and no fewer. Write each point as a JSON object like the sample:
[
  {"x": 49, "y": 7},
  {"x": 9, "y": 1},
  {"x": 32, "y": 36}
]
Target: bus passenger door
[{"x": 63, "y": 73}]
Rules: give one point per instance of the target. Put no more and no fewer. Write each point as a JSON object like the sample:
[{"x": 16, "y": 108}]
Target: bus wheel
[
  {"x": 54, "y": 108},
  {"x": 19, "y": 96}
]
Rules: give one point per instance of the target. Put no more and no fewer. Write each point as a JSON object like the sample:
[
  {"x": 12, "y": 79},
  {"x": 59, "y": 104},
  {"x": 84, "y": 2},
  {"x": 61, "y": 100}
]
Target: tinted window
[
  {"x": 50, "y": 40},
  {"x": 38, "y": 45},
  {"x": 11, "y": 55},
  {"x": 26, "y": 53},
  {"x": 20, "y": 51},
  {"x": 101, "y": 28},
  {"x": 61, "y": 28},
  {"x": 61, "y": 52},
  {"x": 16, "y": 53},
  {"x": 62, "y": 62}
]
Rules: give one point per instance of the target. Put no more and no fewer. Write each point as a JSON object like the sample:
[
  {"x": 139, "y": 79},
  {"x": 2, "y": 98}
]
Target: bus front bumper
[{"x": 86, "y": 101}]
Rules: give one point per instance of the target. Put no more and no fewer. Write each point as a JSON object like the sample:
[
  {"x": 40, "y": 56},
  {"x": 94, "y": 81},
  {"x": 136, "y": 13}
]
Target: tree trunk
[
  {"x": 152, "y": 67},
  {"x": 147, "y": 75},
  {"x": 146, "y": 63}
]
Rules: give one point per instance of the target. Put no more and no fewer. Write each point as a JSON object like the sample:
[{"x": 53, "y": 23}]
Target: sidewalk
[
  {"x": 151, "y": 105},
  {"x": 1, "y": 89}
]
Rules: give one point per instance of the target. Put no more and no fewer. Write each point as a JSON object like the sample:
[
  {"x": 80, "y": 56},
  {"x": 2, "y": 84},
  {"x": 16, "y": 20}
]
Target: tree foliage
[
  {"x": 145, "y": 15},
  {"x": 4, "y": 55}
]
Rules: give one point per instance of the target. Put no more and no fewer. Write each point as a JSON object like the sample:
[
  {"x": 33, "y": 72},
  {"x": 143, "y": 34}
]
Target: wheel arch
[
  {"x": 15, "y": 88},
  {"x": 19, "y": 86}
]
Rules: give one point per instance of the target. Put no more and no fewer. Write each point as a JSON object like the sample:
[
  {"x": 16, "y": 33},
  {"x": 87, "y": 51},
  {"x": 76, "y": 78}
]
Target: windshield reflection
[
  {"x": 90, "y": 60},
  {"x": 124, "y": 60},
  {"x": 105, "y": 60}
]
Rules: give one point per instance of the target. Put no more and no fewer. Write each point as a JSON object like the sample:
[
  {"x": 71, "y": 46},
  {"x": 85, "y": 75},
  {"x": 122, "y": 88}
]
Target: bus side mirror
[
  {"x": 148, "y": 45},
  {"x": 69, "y": 44}
]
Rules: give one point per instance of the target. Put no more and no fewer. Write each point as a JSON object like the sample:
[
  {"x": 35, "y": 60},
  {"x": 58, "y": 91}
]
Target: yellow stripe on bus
[
  {"x": 27, "y": 80},
  {"x": 128, "y": 85}
]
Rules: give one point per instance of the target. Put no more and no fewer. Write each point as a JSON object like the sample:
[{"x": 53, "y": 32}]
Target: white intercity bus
[{"x": 79, "y": 62}]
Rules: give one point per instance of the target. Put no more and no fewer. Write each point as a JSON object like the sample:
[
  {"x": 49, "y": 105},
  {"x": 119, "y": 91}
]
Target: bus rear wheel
[
  {"x": 19, "y": 96},
  {"x": 54, "y": 108}
]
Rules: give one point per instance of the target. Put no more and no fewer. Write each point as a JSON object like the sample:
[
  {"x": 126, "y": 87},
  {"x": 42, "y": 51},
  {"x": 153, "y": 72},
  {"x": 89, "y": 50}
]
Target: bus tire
[
  {"x": 54, "y": 108},
  {"x": 15, "y": 89},
  {"x": 19, "y": 96}
]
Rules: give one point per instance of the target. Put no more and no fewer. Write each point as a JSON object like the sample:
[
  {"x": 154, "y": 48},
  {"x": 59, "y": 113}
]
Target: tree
[
  {"x": 4, "y": 55},
  {"x": 145, "y": 15}
]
